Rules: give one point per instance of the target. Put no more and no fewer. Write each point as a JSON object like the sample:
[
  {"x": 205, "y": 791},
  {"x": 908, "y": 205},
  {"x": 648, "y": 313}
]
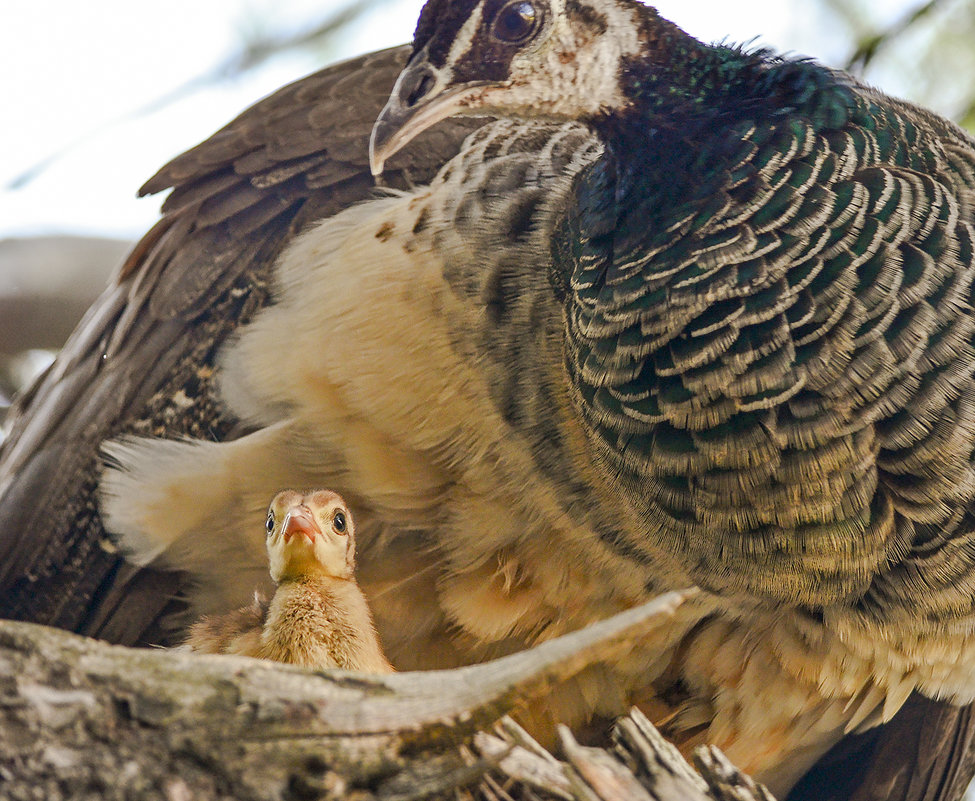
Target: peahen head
[{"x": 556, "y": 59}]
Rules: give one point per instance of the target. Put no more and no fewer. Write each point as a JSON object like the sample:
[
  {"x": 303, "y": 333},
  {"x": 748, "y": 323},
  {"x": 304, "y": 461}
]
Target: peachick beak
[
  {"x": 302, "y": 521},
  {"x": 419, "y": 99}
]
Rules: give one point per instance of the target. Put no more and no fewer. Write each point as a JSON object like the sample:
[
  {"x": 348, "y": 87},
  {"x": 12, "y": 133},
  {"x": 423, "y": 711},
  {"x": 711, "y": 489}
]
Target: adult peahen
[{"x": 692, "y": 316}]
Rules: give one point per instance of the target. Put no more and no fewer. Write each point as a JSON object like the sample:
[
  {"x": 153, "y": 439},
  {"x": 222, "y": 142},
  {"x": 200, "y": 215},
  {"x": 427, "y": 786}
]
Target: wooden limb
[{"x": 80, "y": 719}]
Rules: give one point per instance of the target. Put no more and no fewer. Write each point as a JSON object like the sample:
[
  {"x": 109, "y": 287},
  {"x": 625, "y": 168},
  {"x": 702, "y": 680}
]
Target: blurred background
[{"x": 96, "y": 96}]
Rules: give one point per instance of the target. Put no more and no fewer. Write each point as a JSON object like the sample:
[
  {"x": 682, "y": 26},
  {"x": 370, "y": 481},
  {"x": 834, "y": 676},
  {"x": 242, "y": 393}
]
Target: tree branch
[{"x": 79, "y": 718}]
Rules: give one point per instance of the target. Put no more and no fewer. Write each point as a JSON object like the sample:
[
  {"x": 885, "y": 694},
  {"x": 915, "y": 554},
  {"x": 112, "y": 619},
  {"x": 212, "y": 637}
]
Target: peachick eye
[
  {"x": 516, "y": 22},
  {"x": 339, "y": 522},
  {"x": 269, "y": 523}
]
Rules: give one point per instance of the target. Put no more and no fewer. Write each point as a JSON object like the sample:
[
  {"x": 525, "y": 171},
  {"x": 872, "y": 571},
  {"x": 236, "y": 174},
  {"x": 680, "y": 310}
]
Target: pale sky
[{"x": 73, "y": 74}]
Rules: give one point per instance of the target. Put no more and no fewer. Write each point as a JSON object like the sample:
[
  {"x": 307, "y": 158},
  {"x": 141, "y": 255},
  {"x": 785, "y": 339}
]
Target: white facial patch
[
  {"x": 462, "y": 42},
  {"x": 580, "y": 67}
]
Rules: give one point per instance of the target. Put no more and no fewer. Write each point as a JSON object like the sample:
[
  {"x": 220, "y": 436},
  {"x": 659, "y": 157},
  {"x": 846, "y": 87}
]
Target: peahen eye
[
  {"x": 269, "y": 523},
  {"x": 338, "y": 522},
  {"x": 516, "y": 22}
]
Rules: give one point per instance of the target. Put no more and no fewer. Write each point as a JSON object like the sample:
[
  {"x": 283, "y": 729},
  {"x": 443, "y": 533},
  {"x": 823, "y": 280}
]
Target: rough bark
[{"x": 82, "y": 719}]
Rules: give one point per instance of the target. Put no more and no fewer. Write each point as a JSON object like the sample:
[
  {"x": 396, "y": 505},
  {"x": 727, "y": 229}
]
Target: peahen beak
[{"x": 420, "y": 98}]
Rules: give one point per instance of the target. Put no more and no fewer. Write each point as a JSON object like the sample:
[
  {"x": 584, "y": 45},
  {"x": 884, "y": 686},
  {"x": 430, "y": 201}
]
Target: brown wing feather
[
  {"x": 141, "y": 360},
  {"x": 923, "y": 754}
]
